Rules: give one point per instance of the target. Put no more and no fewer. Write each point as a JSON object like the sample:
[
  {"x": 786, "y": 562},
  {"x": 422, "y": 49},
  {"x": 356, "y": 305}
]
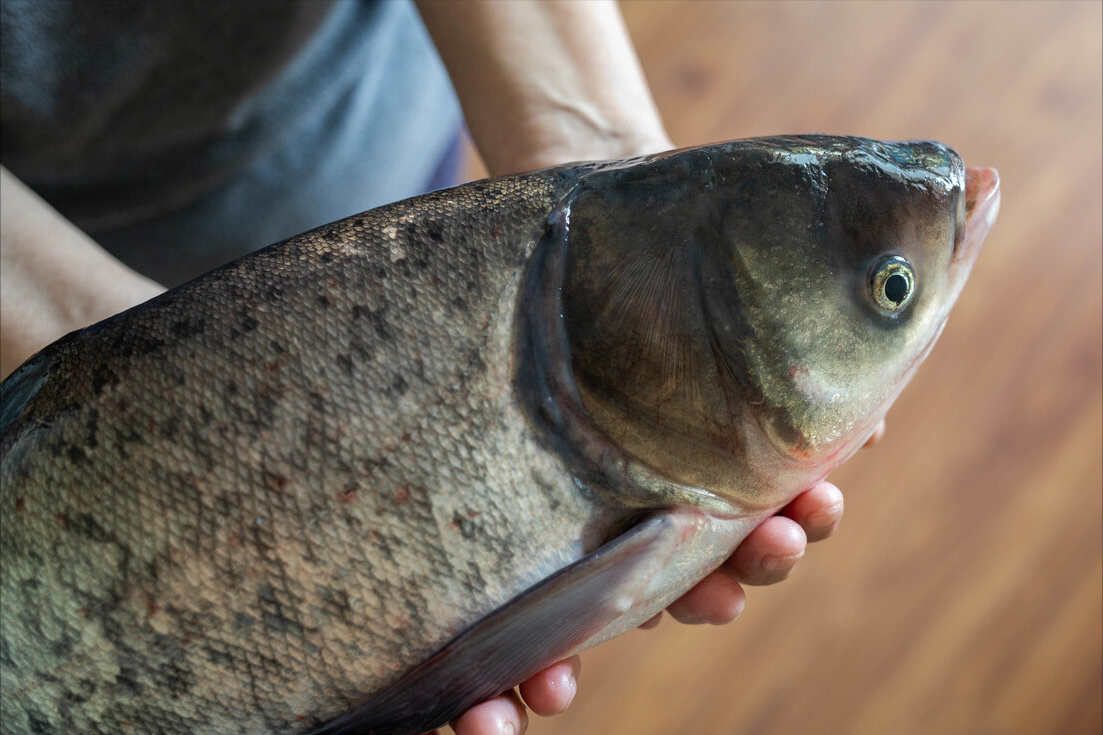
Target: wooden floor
[{"x": 962, "y": 594}]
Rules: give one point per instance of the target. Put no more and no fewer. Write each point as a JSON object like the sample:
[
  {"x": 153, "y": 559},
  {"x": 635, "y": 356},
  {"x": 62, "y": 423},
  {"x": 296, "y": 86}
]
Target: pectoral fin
[{"x": 612, "y": 590}]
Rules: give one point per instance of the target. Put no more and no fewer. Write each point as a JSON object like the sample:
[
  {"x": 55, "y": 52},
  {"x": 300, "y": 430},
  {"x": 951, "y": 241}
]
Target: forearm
[
  {"x": 53, "y": 277},
  {"x": 545, "y": 82}
]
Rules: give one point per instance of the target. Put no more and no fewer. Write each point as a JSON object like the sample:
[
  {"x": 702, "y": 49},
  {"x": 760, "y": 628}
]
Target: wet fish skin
[
  {"x": 287, "y": 493},
  {"x": 200, "y": 485}
]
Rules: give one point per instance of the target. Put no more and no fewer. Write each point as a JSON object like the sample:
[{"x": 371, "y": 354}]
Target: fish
[{"x": 365, "y": 478}]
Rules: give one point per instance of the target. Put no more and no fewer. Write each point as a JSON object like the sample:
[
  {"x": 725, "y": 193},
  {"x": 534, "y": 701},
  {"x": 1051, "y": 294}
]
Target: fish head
[
  {"x": 749, "y": 331},
  {"x": 841, "y": 268}
]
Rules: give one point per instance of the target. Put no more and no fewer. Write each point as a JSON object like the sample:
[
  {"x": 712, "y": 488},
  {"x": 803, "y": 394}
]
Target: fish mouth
[{"x": 982, "y": 204}]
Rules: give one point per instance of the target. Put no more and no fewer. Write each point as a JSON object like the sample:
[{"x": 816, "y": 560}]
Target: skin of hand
[{"x": 53, "y": 277}]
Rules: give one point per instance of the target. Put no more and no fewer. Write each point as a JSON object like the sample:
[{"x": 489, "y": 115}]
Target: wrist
[{"x": 563, "y": 134}]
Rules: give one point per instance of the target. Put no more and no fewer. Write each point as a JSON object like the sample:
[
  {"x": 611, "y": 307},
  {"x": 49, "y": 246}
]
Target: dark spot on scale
[
  {"x": 187, "y": 328},
  {"x": 476, "y": 364},
  {"x": 326, "y": 256},
  {"x": 85, "y": 526},
  {"x": 345, "y": 363},
  {"x": 465, "y": 525},
  {"x": 248, "y": 323},
  {"x": 400, "y": 385},
  {"x": 362, "y": 351},
  {"x": 275, "y": 482},
  {"x": 92, "y": 427},
  {"x": 243, "y": 623},
  {"x": 380, "y": 272},
  {"x": 175, "y": 374},
  {"x": 546, "y": 489},
  {"x": 38, "y": 722},
  {"x": 62, "y": 648},
  {"x": 324, "y": 300},
  {"x": 76, "y": 454},
  {"x": 174, "y": 678},
  {"x": 170, "y": 426},
  {"x": 127, "y": 680},
  {"x": 379, "y": 323},
  {"x": 139, "y": 346},
  {"x": 273, "y": 612},
  {"x": 273, "y": 293},
  {"x": 102, "y": 377},
  {"x": 19, "y": 504},
  {"x": 435, "y": 230}
]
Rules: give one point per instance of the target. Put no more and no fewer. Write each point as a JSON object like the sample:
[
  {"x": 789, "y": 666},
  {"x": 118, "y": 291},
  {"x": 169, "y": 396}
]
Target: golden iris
[{"x": 892, "y": 283}]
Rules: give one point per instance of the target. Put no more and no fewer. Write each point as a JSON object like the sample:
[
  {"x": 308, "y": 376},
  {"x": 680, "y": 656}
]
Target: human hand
[{"x": 766, "y": 556}]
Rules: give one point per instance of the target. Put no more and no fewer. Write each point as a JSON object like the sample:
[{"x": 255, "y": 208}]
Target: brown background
[{"x": 964, "y": 591}]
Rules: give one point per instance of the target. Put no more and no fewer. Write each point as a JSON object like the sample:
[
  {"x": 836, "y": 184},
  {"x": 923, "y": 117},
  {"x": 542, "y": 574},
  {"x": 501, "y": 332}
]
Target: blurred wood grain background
[{"x": 963, "y": 593}]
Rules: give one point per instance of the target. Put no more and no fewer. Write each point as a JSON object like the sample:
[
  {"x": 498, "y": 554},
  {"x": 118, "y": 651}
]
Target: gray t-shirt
[{"x": 182, "y": 134}]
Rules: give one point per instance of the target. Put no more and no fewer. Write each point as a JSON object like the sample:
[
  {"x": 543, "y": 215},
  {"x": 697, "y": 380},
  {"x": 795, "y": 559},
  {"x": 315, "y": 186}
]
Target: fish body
[{"x": 362, "y": 479}]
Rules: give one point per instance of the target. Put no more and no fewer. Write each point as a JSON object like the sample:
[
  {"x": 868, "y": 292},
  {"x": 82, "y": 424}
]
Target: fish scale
[{"x": 362, "y": 479}]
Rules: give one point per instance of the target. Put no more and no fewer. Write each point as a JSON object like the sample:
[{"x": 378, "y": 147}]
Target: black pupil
[{"x": 896, "y": 288}]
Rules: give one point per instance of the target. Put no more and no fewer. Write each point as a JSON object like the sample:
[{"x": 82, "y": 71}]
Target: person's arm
[
  {"x": 544, "y": 83},
  {"x": 53, "y": 277}
]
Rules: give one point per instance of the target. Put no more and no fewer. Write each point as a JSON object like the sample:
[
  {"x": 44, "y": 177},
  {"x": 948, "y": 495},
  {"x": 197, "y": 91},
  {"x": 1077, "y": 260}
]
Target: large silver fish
[{"x": 365, "y": 478}]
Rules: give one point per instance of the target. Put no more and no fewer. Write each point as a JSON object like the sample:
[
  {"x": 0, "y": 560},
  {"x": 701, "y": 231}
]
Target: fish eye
[{"x": 892, "y": 283}]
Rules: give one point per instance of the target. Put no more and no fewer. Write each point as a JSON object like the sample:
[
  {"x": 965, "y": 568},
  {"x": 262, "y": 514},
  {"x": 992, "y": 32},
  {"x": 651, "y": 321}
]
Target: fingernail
[
  {"x": 572, "y": 687},
  {"x": 508, "y": 728},
  {"x": 777, "y": 563},
  {"x": 823, "y": 518}
]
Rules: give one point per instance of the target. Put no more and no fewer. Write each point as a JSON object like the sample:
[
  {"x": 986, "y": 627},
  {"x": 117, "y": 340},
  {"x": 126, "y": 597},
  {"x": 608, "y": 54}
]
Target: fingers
[
  {"x": 818, "y": 511},
  {"x": 769, "y": 553},
  {"x": 550, "y": 692},
  {"x": 503, "y": 715},
  {"x": 716, "y": 599}
]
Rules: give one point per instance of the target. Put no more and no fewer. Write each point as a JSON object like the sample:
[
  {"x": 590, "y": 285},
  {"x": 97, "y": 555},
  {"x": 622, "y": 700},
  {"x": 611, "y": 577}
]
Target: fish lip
[{"x": 982, "y": 204}]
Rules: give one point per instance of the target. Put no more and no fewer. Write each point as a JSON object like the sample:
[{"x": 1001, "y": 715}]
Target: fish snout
[{"x": 982, "y": 204}]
